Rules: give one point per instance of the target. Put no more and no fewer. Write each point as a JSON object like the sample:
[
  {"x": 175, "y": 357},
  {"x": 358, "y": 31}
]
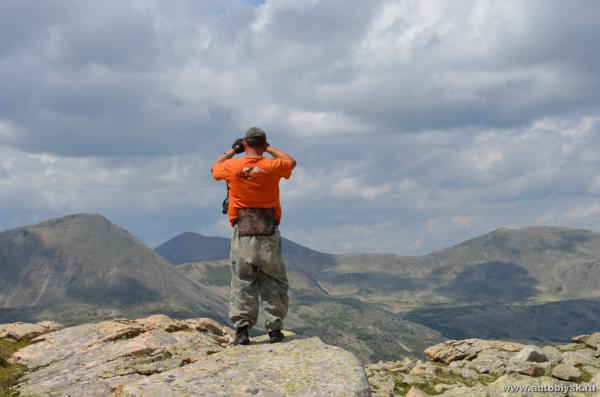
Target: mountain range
[
  {"x": 362, "y": 327},
  {"x": 537, "y": 283},
  {"x": 508, "y": 283}
]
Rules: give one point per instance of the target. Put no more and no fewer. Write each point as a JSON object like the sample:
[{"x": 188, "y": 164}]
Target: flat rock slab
[
  {"x": 27, "y": 331},
  {"x": 96, "y": 359},
  {"x": 300, "y": 367},
  {"x": 453, "y": 350},
  {"x": 591, "y": 340},
  {"x": 566, "y": 372}
]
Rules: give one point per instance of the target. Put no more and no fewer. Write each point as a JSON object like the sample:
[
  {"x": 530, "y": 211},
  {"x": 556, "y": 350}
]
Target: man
[{"x": 257, "y": 266}]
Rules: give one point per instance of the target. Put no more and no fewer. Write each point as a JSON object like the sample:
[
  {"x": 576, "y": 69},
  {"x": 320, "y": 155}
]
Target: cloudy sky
[{"x": 416, "y": 124}]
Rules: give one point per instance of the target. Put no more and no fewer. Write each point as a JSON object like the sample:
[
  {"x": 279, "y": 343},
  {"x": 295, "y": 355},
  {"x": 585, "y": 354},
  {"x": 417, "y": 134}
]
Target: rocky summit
[
  {"x": 490, "y": 368},
  {"x": 160, "y": 356}
]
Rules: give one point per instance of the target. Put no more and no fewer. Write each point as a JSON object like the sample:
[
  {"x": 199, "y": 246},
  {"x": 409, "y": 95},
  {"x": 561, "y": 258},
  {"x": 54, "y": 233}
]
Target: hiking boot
[
  {"x": 241, "y": 336},
  {"x": 276, "y": 336}
]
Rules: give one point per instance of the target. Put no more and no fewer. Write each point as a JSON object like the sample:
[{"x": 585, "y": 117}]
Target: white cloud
[
  {"x": 303, "y": 186},
  {"x": 580, "y": 214},
  {"x": 321, "y": 123},
  {"x": 221, "y": 227},
  {"x": 352, "y": 187},
  {"x": 43, "y": 185},
  {"x": 415, "y": 124},
  {"x": 594, "y": 187},
  {"x": 7, "y": 131}
]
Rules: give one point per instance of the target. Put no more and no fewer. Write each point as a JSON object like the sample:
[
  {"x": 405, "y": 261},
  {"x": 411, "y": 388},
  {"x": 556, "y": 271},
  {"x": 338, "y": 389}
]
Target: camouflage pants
[{"x": 257, "y": 267}]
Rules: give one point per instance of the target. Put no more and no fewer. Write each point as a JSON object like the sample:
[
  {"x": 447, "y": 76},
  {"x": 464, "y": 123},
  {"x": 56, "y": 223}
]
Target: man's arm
[
  {"x": 236, "y": 148},
  {"x": 225, "y": 156},
  {"x": 280, "y": 154}
]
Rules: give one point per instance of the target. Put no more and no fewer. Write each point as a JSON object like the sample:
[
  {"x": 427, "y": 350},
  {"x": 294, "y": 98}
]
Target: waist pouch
[{"x": 256, "y": 221}]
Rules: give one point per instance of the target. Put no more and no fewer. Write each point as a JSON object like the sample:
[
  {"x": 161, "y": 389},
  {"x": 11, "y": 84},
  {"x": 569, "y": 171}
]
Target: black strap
[{"x": 226, "y": 201}]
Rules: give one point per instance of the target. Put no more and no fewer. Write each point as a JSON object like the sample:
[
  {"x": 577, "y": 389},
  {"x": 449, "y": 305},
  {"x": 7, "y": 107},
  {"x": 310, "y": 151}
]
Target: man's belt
[{"x": 256, "y": 221}]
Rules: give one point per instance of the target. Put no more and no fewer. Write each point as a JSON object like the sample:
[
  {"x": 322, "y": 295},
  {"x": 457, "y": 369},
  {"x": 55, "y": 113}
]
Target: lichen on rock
[
  {"x": 158, "y": 355},
  {"x": 476, "y": 367},
  {"x": 299, "y": 367}
]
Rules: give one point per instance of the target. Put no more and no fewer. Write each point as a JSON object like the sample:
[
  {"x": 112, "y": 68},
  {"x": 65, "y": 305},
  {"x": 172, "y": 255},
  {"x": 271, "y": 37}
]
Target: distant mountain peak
[
  {"x": 540, "y": 228},
  {"x": 191, "y": 234},
  {"x": 521, "y": 235},
  {"x": 90, "y": 217},
  {"x": 191, "y": 247},
  {"x": 85, "y": 262}
]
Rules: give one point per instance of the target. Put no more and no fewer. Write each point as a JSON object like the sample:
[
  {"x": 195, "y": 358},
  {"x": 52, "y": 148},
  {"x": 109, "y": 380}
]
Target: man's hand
[{"x": 238, "y": 146}]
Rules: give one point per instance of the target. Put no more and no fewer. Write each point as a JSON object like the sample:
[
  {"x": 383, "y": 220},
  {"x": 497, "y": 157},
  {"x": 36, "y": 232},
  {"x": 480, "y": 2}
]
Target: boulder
[
  {"x": 590, "y": 369},
  {"x": 299, "y": 367},
  {"x": 162, "y": 321},
  {"x": 51, "y": 326},
  {"x": 531, "y": 360},
  {"x": 27, "y": 331},
  {"x": 469, "y": 374},
  {"x": 579, "y": 357},
  {"x": 528, "y": 368},
  {"x": 382, "y": 385},
  {"x": 486, "y": 363},
  {"x": 453, "y": 350},
  {"x": 464, "y": 391},
  {"x": 416, "y": 392},
  {"x": 157, "y": 355},
  {"x": 412, "y": 380},
  {"x": 591, "y": 340},
  {"x": 381, "y": 366},
  {"x": 500, "y": 385},
  {"x": 423, "y": 369},
  {"x": 95, "y": 365},
  {"x": 403, "y": 366},
  {"x": 566, "y": 372},
  {"x": 568, "y": 347},
  {"x": 442, "y": 387},
  {"x": 530, "y": 353},
  {"x": 474, "y": 367},
  {"x": 67, "y": 342},
  {"x": 205, "y": 325},
  {"x": 552, "y": 354}
]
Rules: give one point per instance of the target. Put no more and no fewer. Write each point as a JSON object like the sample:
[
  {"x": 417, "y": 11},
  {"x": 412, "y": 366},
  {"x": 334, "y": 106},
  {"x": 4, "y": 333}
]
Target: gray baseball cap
[{"x": 255, "y": 135}]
